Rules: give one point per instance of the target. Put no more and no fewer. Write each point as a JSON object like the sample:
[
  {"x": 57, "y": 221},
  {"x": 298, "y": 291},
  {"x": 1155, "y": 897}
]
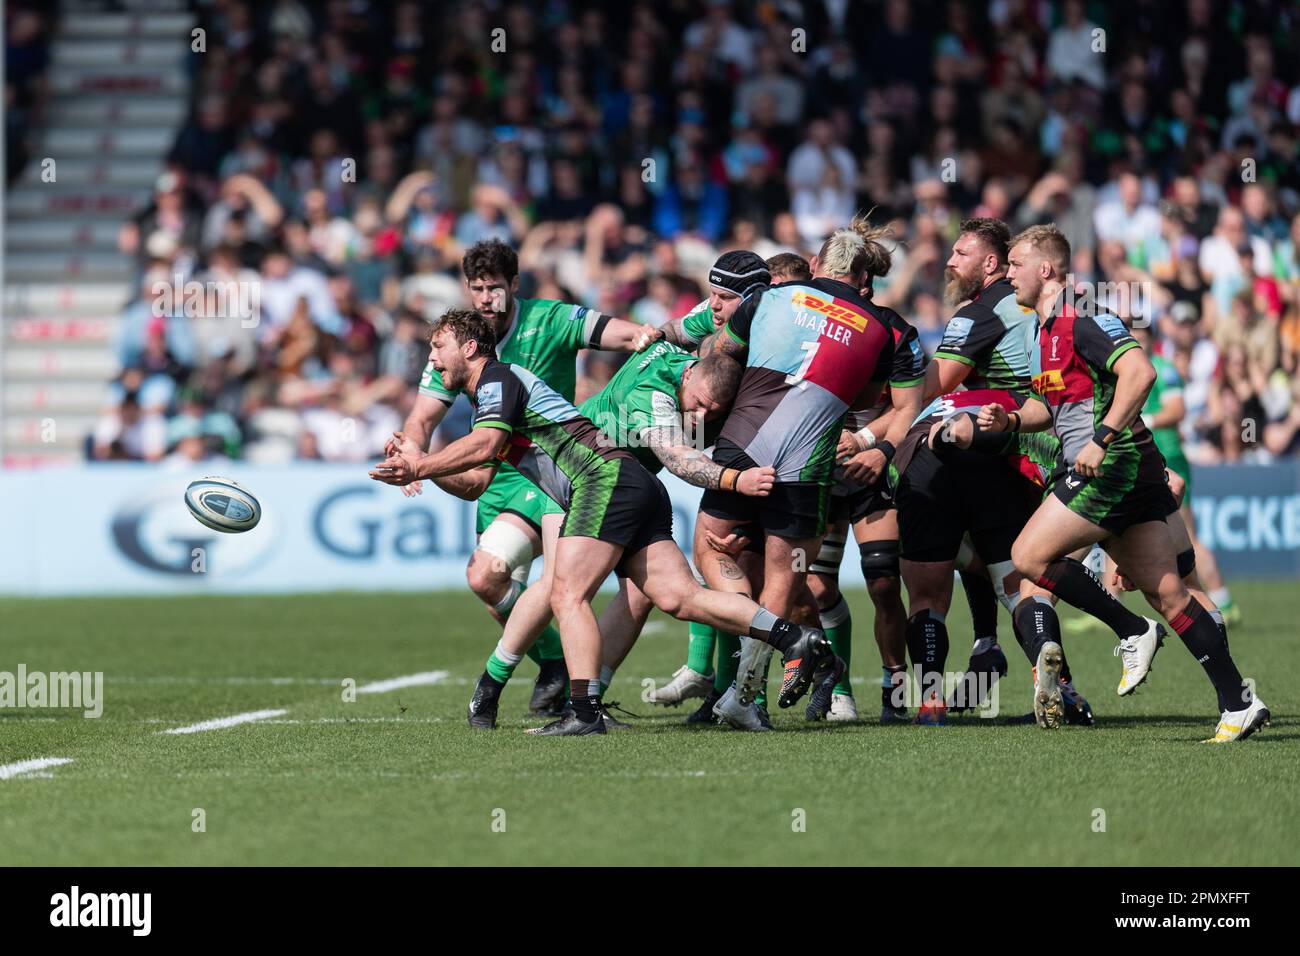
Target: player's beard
[{"x": 958, "y": 288}]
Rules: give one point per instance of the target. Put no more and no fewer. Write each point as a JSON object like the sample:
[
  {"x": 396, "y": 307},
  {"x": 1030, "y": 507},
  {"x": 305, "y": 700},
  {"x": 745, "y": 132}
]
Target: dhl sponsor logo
[
  {"x": 1050, "y": 381},
  {"x": 832, "y": 310}
]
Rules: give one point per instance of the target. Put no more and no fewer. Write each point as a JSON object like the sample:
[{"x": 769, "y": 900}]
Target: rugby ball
[{"x": 222, "y": 505}]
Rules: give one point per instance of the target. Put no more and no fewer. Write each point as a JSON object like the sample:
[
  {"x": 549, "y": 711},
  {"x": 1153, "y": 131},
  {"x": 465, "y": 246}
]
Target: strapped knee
[
  {"x": 879, "y": 559},
  {"x": 510, "y": 545}
]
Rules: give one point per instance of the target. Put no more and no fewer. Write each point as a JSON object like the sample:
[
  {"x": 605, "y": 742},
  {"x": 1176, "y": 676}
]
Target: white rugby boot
[
  {"x": 1137, "y": 653},
  {"x": 843, "y": 708},
  {"x": 685, "y": 684},
  {"x": 1240, "y": 724},
  {"x": 729, "y": 710}
]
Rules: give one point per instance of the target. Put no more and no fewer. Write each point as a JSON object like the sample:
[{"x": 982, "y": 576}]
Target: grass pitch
[{"x": 396, "y": 777}]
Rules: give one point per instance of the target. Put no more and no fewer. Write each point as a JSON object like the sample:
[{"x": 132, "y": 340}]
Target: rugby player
[
  {"x": 662, "y": 406},
  {"x": 617, "y": 515},
  {"x": 944, "y": 492},
  {"x": 1162, "y": 412},
  {"x": 813, "y": 349},
  {"x": 869, "y": 511},
  {"x": 733, "y": 276},
  {"x": 1090, "y": 380},
  {"x": 544, "y": 337}
]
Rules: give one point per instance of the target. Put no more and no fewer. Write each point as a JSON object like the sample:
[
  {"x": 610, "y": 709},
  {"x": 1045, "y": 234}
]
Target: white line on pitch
[
  {"x": 223, "y": 722},
  {"x": 11, "y": 770},
  {"x": 166, "y": 679},
  {"x": 358, "y": 720},
  {"x": 410, "y": 680}
]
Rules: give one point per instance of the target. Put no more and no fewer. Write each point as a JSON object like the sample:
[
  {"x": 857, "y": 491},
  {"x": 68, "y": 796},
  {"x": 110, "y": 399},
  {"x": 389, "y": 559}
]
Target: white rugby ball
[{"x": 223, "y": 505}]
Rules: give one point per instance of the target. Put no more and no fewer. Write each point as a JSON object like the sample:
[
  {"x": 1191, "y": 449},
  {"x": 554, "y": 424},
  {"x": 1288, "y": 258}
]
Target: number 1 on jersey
[{"x": 810, "y": 348}]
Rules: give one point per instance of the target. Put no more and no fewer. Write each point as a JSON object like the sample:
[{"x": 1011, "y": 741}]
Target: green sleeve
[
  {"x": 697, "y": 324},
  {"x": 575, "y": 325}
]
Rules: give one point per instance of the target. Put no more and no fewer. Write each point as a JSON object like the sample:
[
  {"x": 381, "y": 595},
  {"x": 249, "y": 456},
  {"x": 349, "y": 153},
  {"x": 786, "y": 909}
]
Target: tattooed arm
[
  {"x": 694, "y": 467},
  {"x": 675, "y": 333}
]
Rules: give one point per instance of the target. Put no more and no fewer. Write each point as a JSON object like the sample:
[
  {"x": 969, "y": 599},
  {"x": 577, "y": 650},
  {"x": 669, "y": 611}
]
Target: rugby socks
[
  {"x": 501, "y": 665},
  {"x": 770, "y": 629},
  {"x": 1036, "y": 623},
  {"x": 893, "y": 685},
  {"x": 699, "y": 652},
  {"x": 837, "y": 622},
  {"x": 1075, "y": 585},
  {"x": 983, "y": 603},
  {"x": 778, "y": 632},
  {"x": 927, "y": 644},
  {"x": 728, "y": 661},
  {"x": 548, "y": 646},
  {"x": 1202, "y": 637},
  {"x": 584, "y": 695},
  {"x": 1221, "y": 624},
  {"x": 606, "y": 677}
]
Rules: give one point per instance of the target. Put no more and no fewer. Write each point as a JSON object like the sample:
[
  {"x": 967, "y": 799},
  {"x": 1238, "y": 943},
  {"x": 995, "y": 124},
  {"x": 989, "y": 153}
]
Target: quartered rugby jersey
[
  {"x": 544, "y": 337},
  {"x": 641, "y": 396},
  {"x": 995, "y": 336},
  {"x": 1073, "y": 377},
  {"x": 551, "y": 444},
  {"x": 813, "y": 347},
  {"x": 908, "y": 368}
]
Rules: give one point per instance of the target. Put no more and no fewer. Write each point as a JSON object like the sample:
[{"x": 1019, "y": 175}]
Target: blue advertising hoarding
[{"x": 124, "y": 529}]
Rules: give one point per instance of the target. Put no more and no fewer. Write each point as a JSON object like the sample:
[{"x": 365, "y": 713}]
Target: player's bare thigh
[
  {"x": 1145, "y": 553},
  {"x": 877, "y": 526},
  {"x": 1052, "y": 532}
]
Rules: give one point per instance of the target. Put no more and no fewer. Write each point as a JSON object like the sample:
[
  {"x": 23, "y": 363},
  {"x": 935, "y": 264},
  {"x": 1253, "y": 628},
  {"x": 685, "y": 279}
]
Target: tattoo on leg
[{"x": 730, "y": 570}]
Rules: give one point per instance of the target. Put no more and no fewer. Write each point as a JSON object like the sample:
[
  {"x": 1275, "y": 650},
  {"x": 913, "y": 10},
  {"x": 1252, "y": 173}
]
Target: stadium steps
[
  {"x": 77, "y": 173},
  {"x": 120, "y": 111},
  {"x": 119, "y": 88}
]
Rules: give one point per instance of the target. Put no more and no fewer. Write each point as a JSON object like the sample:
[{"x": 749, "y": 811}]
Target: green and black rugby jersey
[
  {"x": 551, "y": 443},
  {"x": 995, "y": 336}
]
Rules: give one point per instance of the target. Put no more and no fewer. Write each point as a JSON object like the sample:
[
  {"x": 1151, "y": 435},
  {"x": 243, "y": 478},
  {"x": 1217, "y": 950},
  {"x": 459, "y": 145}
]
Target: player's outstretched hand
[
  {"x": 394, "y": 470},
  {"x": 648, "y": 337},
  {"x": 756, "y": 482},
  {"x": 400, "y": 444},
  {"x": 732, "y": 544},
  {"x": 866, "y": 467},
  {"x": 993, "y": 418}
]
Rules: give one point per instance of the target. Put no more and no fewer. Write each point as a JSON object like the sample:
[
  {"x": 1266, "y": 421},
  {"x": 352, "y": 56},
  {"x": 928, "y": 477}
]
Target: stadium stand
[{"x": 620, "y": 148}]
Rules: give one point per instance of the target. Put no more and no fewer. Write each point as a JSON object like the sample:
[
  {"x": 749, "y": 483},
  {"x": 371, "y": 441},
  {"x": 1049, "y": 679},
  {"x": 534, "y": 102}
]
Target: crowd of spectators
[{"x": 339, "y": 157}]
